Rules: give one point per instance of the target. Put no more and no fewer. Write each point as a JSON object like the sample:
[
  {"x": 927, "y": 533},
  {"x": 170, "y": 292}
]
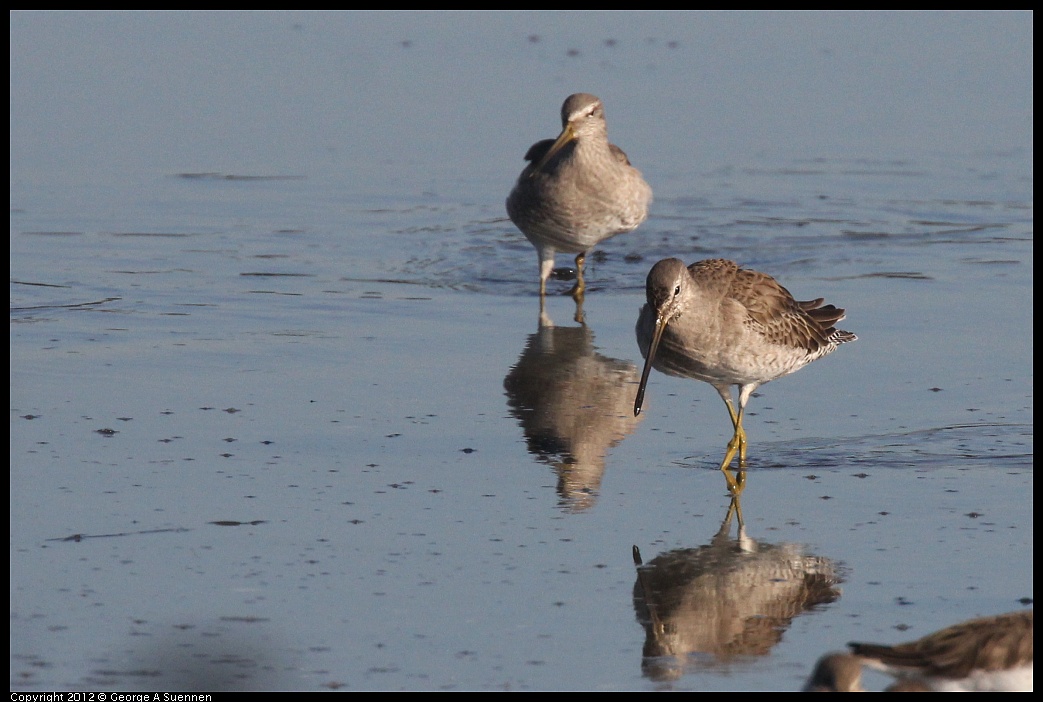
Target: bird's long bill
[
  {"x": 657, "y": 334},
  {"x": 565, "y": 137}
]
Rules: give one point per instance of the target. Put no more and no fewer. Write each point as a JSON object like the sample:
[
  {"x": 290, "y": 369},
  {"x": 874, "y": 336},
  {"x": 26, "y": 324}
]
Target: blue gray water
[{"x": 283, "y": 414}]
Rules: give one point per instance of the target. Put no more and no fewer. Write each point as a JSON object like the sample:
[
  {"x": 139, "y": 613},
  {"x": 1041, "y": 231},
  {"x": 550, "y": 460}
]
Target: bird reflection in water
[
  {"x": 573, "y": 405},
  {"x": 712, "y": 606}
]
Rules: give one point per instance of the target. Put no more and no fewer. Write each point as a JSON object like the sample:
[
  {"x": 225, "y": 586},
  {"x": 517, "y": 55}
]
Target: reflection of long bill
[
  {"x": 565, "y": 137},
  {"x": 657, "y": 334}
]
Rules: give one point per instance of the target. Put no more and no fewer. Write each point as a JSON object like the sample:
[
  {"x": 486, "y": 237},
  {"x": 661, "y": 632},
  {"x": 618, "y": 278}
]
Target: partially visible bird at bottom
[{"x": 989, "y": 654}]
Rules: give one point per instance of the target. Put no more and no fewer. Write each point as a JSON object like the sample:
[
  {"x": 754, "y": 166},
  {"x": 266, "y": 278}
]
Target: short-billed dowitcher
[
  {"x": 726, "y": 325},
  {"x": 577, "y": 190}
]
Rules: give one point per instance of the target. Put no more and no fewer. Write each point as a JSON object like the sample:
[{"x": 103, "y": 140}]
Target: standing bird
[
  {"x": 577, "y": 190},
  {"x": 725, "y": 325}
]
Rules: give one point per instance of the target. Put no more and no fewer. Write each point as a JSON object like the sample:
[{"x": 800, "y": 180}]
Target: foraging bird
[
  {"x": 725, "y": 325},
  {"x": 577, "y": 190}
]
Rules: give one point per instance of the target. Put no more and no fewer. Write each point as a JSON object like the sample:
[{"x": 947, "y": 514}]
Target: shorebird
[
  {"x": 725, "y": 325},
  {"x": 990, "y": 654},
  {"x": 577, "y": 190},
  {"x": 836, "y": 672}
]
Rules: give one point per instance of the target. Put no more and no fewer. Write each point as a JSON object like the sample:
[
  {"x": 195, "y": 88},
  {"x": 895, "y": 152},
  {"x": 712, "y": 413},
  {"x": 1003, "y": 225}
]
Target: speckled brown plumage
[
  {"x": 986, "y": 654},
  {"x": 725, "y": 325}
]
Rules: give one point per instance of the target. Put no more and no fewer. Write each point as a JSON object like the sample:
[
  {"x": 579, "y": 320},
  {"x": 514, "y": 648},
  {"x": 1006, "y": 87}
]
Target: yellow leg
[
  {"x": 734, "y": 510},
  {"x": 737, "y": 445},
  {"x": 580, "y": 287},
  {"x": 736, "y": 481},
  {"x": 579, "y": 311},
  {"x": 740, "y": 436}
]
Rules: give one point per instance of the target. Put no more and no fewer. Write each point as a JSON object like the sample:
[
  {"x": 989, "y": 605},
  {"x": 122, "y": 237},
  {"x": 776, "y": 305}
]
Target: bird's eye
[{"x": 677, "y": 291}]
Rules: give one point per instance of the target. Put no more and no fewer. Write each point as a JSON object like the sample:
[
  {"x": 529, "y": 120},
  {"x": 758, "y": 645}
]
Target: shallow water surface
[{"x": 285, "y": 413}]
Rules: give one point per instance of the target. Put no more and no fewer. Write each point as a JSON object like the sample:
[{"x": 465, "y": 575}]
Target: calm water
[{"x": 283, "y": 414}]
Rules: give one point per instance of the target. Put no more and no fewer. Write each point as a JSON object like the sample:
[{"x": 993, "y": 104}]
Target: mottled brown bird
[
  {"x": 990, "y": 654},
  {"x": 726, "y": 325}
]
